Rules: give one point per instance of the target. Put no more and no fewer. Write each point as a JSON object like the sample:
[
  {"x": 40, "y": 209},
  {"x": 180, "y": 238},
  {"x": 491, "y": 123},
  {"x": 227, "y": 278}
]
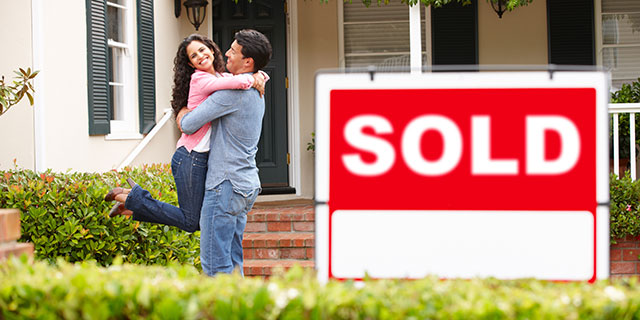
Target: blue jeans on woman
[
  {"x": 189, "y": 171},
  {"x": 224, "y": 216}
]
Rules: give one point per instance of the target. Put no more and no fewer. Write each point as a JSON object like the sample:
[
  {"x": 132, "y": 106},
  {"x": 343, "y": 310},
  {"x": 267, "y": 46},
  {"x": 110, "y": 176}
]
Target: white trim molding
[
  {"x": 39, "y": 119},
  {"x": 293, "y": 100}
]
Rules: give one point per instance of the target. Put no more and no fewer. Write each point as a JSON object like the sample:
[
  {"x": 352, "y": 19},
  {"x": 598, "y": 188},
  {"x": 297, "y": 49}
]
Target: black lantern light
[
  {"x": 499, "y": 6},
  {"x": 196, "y": 11}
]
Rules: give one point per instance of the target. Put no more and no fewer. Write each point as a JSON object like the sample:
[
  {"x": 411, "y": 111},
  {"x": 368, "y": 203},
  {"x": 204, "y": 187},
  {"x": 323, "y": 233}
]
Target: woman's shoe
[
  {"x": 111, "y": 195},
  {"x": 117, "y": 210},
  {"x": 131, "y": 183}
]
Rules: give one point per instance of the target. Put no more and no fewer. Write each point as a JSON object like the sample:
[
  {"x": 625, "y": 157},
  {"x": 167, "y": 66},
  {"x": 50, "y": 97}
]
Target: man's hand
[
  {"x": 258, "y": 83},
  {"x": 181, "y": 114}
]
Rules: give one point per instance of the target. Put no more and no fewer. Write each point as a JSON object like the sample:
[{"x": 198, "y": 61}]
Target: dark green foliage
[
  {"x": 124, "y": 291},
  {"x": 624, "y": 207},
  {"x": 629, "y": 93},
  {"x": 64, "y": 215}
]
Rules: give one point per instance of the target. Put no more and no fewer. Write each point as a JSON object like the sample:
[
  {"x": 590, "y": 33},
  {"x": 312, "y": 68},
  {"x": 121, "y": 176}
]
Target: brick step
[
  {"x": 9, "y": 225},
  {"x": 282, "y": 245},
  {"x": 15, "y": 249},
  {"x": 281, "y": 219},
  {"x": 265, "y": 268}
]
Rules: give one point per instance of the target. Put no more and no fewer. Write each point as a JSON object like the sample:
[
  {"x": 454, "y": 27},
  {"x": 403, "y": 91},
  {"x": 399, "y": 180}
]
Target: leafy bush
[
  {"x": 64, "y": 215},
  {"x": 624, "y": 207},
  {"x": 629, "y": 93},
  {"x": 42, "y": 291}
]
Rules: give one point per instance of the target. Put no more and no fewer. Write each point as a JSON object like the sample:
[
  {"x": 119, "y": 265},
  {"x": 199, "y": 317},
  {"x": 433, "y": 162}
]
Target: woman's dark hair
[
  {"x": 254, "y": 45},
  {"x": 182, "y": 70}
]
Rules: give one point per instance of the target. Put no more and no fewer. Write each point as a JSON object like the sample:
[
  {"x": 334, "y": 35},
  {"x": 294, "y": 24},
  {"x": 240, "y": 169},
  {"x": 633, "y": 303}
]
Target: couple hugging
[{"x": 214, "y": 165}]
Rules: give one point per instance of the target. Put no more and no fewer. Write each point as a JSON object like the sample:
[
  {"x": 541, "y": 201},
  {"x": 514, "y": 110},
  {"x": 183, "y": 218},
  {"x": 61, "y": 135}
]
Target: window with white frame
[
  {"x": 620, "y": 46},
  {"x": 120, "y": 24},
  {"x": 378, "y": 35}
]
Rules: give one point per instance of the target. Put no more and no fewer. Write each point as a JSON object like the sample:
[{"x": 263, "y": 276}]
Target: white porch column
[
  {"x": 415, "y": 38},
  {"x": 37, "y": 47}
]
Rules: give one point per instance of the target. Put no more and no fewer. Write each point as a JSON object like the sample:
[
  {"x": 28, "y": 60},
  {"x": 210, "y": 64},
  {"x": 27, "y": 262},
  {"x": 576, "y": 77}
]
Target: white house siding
[
  {"x": 64, "y": 70},
  {"x": 318, "y": 49},
  {"x": 16, "y": 126},
  {"x": 520, "y": 37}
]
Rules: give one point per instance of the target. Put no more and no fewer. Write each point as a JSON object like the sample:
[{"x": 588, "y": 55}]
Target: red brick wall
[{"x": 624, "y": 256}]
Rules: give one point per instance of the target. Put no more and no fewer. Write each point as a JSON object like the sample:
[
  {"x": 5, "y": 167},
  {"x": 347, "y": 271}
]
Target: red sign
[
  {"x": 370, "y": 128},
  {"x": 512, "y": 177}
]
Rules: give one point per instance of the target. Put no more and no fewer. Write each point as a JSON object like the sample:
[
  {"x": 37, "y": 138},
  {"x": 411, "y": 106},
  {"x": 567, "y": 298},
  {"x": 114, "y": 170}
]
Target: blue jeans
[
  {"x": 189, "y": 171},
  {"x": 222, "y": 222}
]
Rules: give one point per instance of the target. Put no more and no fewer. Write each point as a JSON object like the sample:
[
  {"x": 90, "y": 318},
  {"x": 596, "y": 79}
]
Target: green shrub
[
  {"x": 64, "y": 215},
  {"x": 84, "y": 290},
  {"x": 624, "y": 207},
  {"x": 629, "y": 93}
]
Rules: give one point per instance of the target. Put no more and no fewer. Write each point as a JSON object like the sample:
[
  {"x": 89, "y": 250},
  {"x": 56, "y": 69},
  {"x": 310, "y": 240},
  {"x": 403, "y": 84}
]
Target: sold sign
[{"x": 462, "y": 175}]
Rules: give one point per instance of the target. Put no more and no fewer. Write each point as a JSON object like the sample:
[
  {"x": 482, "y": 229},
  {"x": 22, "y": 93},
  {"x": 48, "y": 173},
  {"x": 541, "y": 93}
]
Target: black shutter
[
  {"x": 146, "y": 66},
  {"x": 97, "y": 68},
  {"x": 455, "y": 34},
  {"x": 570, "y": 28}
]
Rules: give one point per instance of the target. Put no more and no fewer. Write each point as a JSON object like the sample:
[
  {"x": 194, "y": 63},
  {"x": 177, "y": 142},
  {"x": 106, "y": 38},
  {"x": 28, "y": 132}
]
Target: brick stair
[
  {"x": 9, "y": 233},
  {"x": 279, "y": 235}
]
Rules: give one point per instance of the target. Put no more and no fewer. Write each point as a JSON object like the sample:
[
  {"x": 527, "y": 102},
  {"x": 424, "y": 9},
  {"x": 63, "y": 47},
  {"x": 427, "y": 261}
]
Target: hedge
[
  {"x": 126, "y": 291},
  {"x": 64, "y": 215},
  {"x": 624, "y": 207}
]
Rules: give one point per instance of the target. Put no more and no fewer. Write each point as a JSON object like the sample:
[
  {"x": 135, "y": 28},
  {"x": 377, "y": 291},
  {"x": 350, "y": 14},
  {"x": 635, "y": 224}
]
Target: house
[{"x": 97, "y": 100}]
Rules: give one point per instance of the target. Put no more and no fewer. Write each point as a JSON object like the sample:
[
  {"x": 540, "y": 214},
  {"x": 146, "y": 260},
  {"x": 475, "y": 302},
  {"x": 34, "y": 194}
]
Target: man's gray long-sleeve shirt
[{"x": 236, "y": 123}]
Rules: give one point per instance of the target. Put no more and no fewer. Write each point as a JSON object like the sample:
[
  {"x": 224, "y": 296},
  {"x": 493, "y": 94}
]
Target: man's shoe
[
  {"x": 111, "y": 195},
  {"x": 117, "y": 210}
]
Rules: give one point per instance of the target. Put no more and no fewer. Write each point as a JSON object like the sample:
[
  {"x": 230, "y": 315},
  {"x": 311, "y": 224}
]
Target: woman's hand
[
  {"x": 181, "y": 114},
  {"x": 258, "y": 83}
]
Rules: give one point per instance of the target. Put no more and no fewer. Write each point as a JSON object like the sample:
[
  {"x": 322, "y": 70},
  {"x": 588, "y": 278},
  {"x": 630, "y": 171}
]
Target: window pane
[
  {"x": 624, "y": 62},
  {"x": 621, "y": 28},
  {"x": 374, "y": 34},
  {"x": 387, "y": 37},
  {"x": 357, "y": 12},
  {"x": 382, "y": 63},
  {"x": 116, "y": 102},
  {"x": 116, "y": 82},
  {"x": 115, "y": 64},
  {"x": 620, "y": 6},
  {"x": 115, "y": 19}
]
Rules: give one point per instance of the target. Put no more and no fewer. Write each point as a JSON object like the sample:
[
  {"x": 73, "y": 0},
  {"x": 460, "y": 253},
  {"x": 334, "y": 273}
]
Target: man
[{"x": 232, "y": 182}]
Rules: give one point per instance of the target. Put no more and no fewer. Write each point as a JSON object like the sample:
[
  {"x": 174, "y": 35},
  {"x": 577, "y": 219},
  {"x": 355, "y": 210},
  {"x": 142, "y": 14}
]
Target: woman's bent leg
[{"x": 189, "y": 176}]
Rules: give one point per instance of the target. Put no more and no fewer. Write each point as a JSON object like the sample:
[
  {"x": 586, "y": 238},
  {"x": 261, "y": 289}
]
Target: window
[
  {"x": 119, "y": 38},
  {"x": 620, "y": 46},
  {"x": 378, "y": 35},
  {"x": 111, "y": 40}
]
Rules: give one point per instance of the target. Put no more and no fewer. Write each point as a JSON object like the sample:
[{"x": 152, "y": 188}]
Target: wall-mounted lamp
[
  {"x": 196, "y": 11},
  {"x": 499, "y": 6}
]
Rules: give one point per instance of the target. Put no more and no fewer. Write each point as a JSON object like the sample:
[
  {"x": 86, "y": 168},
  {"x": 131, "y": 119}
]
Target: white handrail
[
  {"x": 615, "y": 109},
  {"x": 127, "y": 161}
]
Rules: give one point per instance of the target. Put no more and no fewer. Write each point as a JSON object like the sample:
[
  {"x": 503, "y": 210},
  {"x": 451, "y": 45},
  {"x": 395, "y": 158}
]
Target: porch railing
[{"x": 615, "y": 109}]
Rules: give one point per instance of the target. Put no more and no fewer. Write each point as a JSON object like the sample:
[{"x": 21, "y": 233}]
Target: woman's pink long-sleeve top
[{"x": 202, "y": 85}]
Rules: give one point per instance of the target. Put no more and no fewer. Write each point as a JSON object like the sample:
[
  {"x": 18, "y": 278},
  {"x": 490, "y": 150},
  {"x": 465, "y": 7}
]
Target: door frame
[{"x": 293, "y": 102}]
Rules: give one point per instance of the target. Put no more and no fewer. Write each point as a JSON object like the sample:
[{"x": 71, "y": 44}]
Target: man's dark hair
[{"x": 254, "y": 45}]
